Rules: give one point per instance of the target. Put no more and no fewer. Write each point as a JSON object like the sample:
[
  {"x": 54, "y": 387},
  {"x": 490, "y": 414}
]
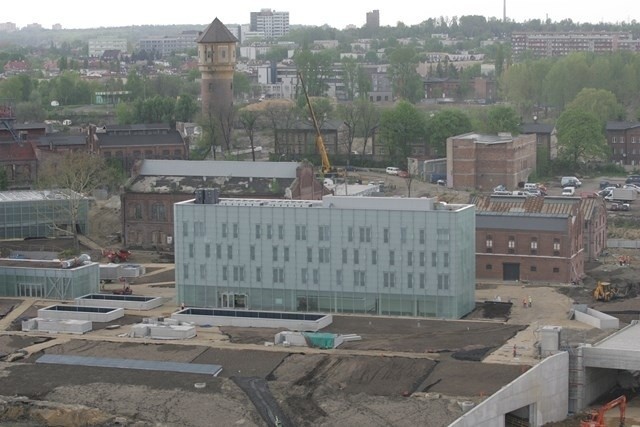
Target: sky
[{"x": 338, "y": 14}]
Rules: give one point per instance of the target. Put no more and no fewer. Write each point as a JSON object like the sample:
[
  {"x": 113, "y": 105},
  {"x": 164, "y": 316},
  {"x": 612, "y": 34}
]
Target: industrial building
[
  {"x": 380, "y": 256},
  {"x": 41, "y": 213}
]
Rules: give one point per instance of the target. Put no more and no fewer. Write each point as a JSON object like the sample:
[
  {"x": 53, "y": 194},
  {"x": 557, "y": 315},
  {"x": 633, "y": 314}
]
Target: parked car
[
  {"x": 569, "y": 191},
  {"x": 633, "y": 179},
  {"x": 392, "y": 170},
  {"x": 570, "y": 181},
  {"x": 499, "y": 188}
]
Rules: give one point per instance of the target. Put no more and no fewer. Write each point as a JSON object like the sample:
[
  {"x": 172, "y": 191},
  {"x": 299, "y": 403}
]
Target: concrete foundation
[
  {"x": 128, "y": 302},
  {"x": 75, "y": 312},
  {"x": 540, "y": 395},
  {"x": 66, "y": 326},
  {"x": 254, "y": 319}
]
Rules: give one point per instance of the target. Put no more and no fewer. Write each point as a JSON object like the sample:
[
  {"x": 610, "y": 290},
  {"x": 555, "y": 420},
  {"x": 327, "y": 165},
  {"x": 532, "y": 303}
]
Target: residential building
[
  {"x": 550, "y": 44},
  {"x": 166, "y": 45},
  {"x": 98, "y": 46},
  {"x": 216, "y": 61},
  {"x": 482, "y": 162},
  {"x": 594, "y": 212},
  {"x": 41, "y": 213},
  {"x": 271, "y": 23},
  {"x": 373, "y": 19},
  {"x": 529, "y": 239},
  {"x": 482, "y": 89},
  {"x": 367, "y": 255},
  {"x": 624, "y": 140},
  {"x": 129, "y": 143},
  {"x": 149, "y": 196},
  {"x": 8, "y": 27},
  {"x": 20, "y": 163}
]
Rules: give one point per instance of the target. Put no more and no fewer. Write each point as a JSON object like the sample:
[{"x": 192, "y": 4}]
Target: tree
[
  {"x": 78, "y": 172},
  {"x": 186, "y": 108},
  {"x": 401, "y": 127},
  {"x": 280, "y": 114},
  {"x": 316, "y": 68},
  {"x": 349, "y": 114},
  {"x": 350, "y": 77},
  {"x": 241, "y": 85},
  {"x": 601, "y": 103},
  {"x": 580, "y": 137},
  {"x": 444, "y": 124},
  {"x": 370, "y": 119},
  {"x": 249, "y": 119},
  {"x": 503, "y": 119},
  {"x": 407, "y": 83}
]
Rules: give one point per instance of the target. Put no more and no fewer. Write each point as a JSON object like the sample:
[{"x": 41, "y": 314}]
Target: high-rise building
[
  {"x": 216, "y": 61},
  {"x": 373, "y": 19},
  {"x": 367, "y": 255},
  {"x": 271, "y": 23}
]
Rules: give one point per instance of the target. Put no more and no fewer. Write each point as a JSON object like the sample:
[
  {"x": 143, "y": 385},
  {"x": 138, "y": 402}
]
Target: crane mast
[{"x": 326, "y": 165}]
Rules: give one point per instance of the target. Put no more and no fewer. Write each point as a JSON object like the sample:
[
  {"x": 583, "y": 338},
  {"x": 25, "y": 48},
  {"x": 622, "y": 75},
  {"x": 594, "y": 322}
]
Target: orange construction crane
[
  {"x": 596, "y": 419},
  {"x": 326, "y": 165}
]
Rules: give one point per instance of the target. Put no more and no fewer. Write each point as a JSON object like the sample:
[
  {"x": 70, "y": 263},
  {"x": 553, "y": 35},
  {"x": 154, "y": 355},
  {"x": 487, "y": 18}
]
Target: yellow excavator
[
  {"x": 326, "y": 165},
  {"x": 604, "y": 292}
]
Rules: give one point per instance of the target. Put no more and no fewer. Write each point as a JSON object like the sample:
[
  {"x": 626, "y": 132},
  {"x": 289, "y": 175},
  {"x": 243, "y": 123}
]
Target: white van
[
  {"x": 530, "y": 186},
  {"x": 568, "y": 191},
  {"x": 392, "y": 171},
  {"x": 570, "y": 181}
]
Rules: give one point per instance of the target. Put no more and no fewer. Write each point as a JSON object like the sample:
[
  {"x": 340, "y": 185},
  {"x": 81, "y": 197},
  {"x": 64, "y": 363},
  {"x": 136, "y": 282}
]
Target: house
[
  {"x": 156, "y": 185},
  {"x": 482, "y": 162},
  {"x": 624, "y": 140},
  {"x": 530, "y": 239},
  {"x": 129, "y": 143},
  {"x": 366, "y": 255}
]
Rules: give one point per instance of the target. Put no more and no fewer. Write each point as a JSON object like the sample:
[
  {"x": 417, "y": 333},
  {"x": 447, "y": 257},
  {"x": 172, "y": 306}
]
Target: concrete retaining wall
[
  {"x": 596, "y": 318},
  {"x": 68, "y": 326},
  {"x": 545, "y": 387},
  {"x": 120, "y": 301},
  {"x": 78, "y": 314},
  {"x": 253, "y": 322},
  {"x": 622, "y": 243}
]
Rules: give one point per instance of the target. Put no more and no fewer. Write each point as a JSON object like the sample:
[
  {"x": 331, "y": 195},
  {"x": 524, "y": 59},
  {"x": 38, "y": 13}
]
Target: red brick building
[
  {"x": 533, "y": 239},
  {"x": 594, "y": 212},
  {"x": 624, "y": 140},
  {"x": 483, "y": 162},
  {"x": 147, "y": 203}
]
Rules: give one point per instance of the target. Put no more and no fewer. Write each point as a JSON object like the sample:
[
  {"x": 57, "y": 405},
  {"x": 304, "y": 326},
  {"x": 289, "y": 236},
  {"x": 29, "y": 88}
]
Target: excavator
[
  {"x": 327, "y": 169},
  {"x": 604, "y": 292},
  {"x": 596, "y": 419}
]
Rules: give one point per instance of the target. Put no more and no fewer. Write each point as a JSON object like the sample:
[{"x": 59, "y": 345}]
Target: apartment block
[
  {"x": 546, "y": 44},
  {"x": 271, "y": 23}
]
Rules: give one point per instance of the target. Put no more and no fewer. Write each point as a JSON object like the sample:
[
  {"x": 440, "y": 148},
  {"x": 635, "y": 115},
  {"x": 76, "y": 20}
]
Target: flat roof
[
  {"x": 627, "y": 338},
  {"x": 34, "y": 195},
  {"x": 215, "y": 168}
]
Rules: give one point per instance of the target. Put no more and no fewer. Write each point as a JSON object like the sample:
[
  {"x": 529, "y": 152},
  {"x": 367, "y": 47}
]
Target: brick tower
[{"x": 216, "y": 61}]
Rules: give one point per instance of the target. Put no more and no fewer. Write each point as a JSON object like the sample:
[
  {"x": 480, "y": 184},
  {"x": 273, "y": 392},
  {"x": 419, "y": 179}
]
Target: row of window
[
  {"x": 361, "y": 234},
  {"x": 236, "y": 273},
  {"x": 533, "y": 268},
  {"x": 148, "y": 154},
  {"x": 620, "y": 139},
  {"x": 533, "y": 245},
  {"x": 324, "y": 255},
  {"x": 158, "y": 212}
]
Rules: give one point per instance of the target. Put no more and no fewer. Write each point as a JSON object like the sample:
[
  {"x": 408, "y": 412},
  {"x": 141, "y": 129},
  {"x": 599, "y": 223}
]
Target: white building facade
[{"x": 367, "y": 255}]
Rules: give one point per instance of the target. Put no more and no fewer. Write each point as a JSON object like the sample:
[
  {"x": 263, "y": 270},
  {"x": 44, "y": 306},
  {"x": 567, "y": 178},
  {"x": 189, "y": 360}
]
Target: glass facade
[
  {"x": 345, "y": 255},
  {"x": 50, "y": 283}
]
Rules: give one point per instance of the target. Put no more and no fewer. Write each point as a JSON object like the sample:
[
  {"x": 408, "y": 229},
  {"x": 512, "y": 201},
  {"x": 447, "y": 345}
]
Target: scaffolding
[{"x": 8, "y": 117}]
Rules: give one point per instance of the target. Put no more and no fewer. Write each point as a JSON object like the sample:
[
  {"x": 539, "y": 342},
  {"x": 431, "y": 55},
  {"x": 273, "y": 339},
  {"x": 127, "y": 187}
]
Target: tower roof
[{"x": 216, "y": 32}]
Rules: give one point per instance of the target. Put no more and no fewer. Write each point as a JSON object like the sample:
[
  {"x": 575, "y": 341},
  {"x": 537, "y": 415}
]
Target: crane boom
[{"x": 326, "y": 165}]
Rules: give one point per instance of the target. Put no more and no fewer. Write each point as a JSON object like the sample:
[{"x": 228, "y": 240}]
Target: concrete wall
[
  {"x": 597, "y": 319},
  {"x": 52, "y": 313},
  {"x": 545, "y": 387},
  {"x": 596, "y": 381},
  {"x": 252, "y": 322},
  {"x": 110, "y": 301}
]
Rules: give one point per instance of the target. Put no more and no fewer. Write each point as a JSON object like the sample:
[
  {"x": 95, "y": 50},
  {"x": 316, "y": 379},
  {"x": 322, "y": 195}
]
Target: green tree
[
  {"x": 135, "y": 85},
  {"x": 407, "y": 83},
  {"x": 30, "y": 112},
  {"x": 503, "y": 119},
  {"x": 369, "y": 119},
  {"x": 400, "y": 128},
  {"x": 599, "y": 102},
  {"x": 580, "y": 137},
  {"x": 350, "y": 77},
  {"x": 444, "y": 124},
  {"x": 316, "y": 69},
  {"x": 241, "y": 85},
  {"x": 249, "y": 120},
  {"x": 186, "y": 108},
  {"x": 79, "y": 172}
]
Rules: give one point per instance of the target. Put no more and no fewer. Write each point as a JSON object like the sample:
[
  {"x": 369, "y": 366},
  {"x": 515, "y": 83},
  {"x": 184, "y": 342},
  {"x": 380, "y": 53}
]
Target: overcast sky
[{"x": 338, "y": 14}]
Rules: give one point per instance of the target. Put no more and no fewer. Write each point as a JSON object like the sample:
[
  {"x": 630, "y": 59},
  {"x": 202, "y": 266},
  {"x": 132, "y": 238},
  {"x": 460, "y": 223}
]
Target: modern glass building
[
  {"x": 370, "y": 255},
  {"x": 41, "y": 213}
]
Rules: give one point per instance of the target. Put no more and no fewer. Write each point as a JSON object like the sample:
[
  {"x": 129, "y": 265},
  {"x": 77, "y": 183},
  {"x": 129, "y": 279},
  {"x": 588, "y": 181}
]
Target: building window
[
  {"x": 323, "y": 233},
  {"x": 356, "y": 256},
  {"x": 367, "y": 234},
  {"x": 445, "y": 259},
  {"x": 339, "y": 277},
  {"x": 278, "y": 275},
  {"x": 229, "y": 251},
  {"x": 488, "y": 267},
  {"x": 344, "y": 256},
  {"x": 136, "y": 211},
  {"x": 350, "y": 234},
  {"x": 252, "y": 252},
  {"x": 374, "y": 257},
  {"x": 443, "y": 281},
  {"x": 422, "y": 259},
  {"x": 258, "y": 231},
  {"x": 225, "y": 230},
  {"x": 410, "y": 258},
  {"x": 434, "y": 259},
  {"x": 225, "y": 272},
  {"x": 191, "y": 250},
  {"x": 286, "y": 253},
  {"x": 556, "y": 247},
  {"x": 392, "y": 257},
  {"x": 185, "y": 271},
  {"x": 534, "y": 268},
  {"x": 269, "y": 231},
  {"x": 274, "y": 250},
  {"x": 534, "y": 245},
  {"x": 309, "y": 254},
  {"x": 556, "y": 270},
  {"x": 323, "y": 255},
  {"x": 203, "y": 271},
  {"x": 385, "y": 234},
  {"x": 443, "y": 235},
  {"x": 185, "y": 229},
  {"x": 403, "y": 235},
  {"x": 422, "y": 236},
  {"x": 280, "y": 231},
  {"x": 489, "y": 242},
  {"x": 258, "y": 274},
  {"x": 219, "y": 251},
  {"x": 410, "y": 280},
  {"x": 304, "y": 275},
  {"x": 423, "y": 280},
  {"x": 316, "y": 276},
  {"x": 301, "y": 232},
  {"x": 235, "y": 230},
  {"x": 511, "y": 244}
]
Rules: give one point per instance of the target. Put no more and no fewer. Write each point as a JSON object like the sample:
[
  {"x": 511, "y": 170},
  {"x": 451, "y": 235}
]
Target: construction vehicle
[
  {"x": 604, "y": 292},
  {"x": 596, "y": 419},
  {"x": 116, "y": 256},
  {"x": 322, "y": 150}
]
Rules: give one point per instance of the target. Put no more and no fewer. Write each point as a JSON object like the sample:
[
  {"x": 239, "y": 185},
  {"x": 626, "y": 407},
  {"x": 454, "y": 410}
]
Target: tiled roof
[
  {"x": 622, "y": 125},
  {"x": 526, "y": 205},
  {"x": 216, "y": 32}
]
